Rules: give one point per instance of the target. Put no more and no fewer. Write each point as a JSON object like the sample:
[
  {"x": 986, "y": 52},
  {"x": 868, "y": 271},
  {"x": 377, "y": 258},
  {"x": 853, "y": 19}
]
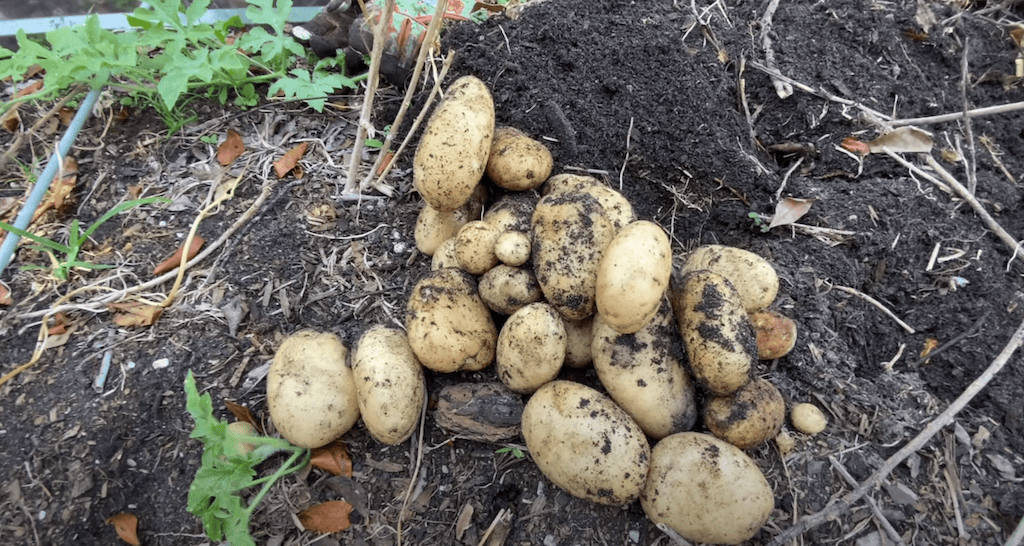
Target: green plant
[
  {"x": 215, "y": 492},
  {"x": 61, "y": 268},
  {"x": 758, "y": 221},
  {"x": 209, "y": 139},
  {"x": 514, "y": 450}
]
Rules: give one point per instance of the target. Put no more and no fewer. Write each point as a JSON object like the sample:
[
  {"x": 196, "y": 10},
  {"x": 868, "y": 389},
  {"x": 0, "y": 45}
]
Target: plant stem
[{"x": 284, "y": 470}]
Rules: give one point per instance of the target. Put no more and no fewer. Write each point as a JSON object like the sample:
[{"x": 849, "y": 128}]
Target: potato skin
[
  {"x": 807, "y": 418},
  {"x": 390, "y": 386},
  {"x": 633, "y": 276},
  {"x": 452, "y": 154},
  {"x": 615, "y": 205},
  {"x": 531, "y": 348},
  {"x": 579, "y": 336},
  {"x": 518, "y": 162},
  {"x": 445, "y": 256},
  {"x": 311, "y": 393},
  {"x": 512, "y": 212},
  {"x": 586, "y": 444},
  {"x": 506, "y": 289},
  {"x": 450, "y": 328},
  {"x": 775, "y": 334},
  {"x": 434, "y": 227},
  {"x": 754, "y": 278},
  {"x": 512, "y": 248},
  {"x": 644, "y": 373},
  {"x": 705, "y": 489},
  {"x": 717, "y": 332},
  {"x": 748, "y": 417},
  {"x": 474, "y": 247},
  {"x": 570, "y": 234}
]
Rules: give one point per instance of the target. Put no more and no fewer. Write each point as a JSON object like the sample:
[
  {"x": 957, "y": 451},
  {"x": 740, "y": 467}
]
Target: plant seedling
[
  {"x": 515, "y": 451},
  {"x": 758, "y": 221}
]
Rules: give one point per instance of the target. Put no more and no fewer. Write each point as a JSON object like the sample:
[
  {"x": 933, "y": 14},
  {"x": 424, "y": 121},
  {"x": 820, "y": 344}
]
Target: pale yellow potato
[
  {"x": 512, "y": 212},
  {"x": 518, "y": 162},
  {"x": 474, "y": 247},
  {"x": 390, "y": 385},
  {"x": 452, "y": 153},
  {"x": 578, "y": 339},
  {"x": 531, "y": 348},
  {"x": 450, "y": 328},
  {"x": 445, "y": 256},
  {"x": 753, "y": 277},
  {"x": 570, "y": 234},
  {"x": 434, "y": 227},
  {"x": 585, "y": 444},
  {"x": 775, "y": 333},
  {"x": 748, "y": 417},
  {"x": 311, "y": 393},
  {"x": 644, "y": 373},
  {"x": 634, "y": 274},
  {"x": 506, "y": 289},
  {"x": 565, "y": 182},
  {"x": 717, "y": 332},
  {"x": 512, "y": 248},
  {"x": 807, "y": 418},
  {"x": 706, "y": 489},
  {"x": 616, "y": 206}
]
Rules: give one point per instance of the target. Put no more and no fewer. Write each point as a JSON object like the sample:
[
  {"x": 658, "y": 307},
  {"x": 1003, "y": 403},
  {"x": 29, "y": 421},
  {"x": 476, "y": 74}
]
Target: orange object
[{"x": 174, "y": 261}]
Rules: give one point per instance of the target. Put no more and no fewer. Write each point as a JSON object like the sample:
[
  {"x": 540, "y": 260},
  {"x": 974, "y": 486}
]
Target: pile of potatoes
[{"x": 580, "y": 281}]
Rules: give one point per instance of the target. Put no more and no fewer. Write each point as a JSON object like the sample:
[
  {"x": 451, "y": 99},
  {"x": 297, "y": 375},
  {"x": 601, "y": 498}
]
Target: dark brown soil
[{"x": 632, "y": 93}]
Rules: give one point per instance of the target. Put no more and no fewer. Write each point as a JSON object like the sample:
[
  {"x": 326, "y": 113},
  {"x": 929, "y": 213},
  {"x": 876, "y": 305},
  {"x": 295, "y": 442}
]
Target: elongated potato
[
  {"x": 450, "y": 328},
  {"x": 615, "y": 205},
  {"x": 389, "y": 384},
  {"x": 634, "y": 274},
  {"x": 717, "y": 332},
  {"x": 531, "y": 348},
  {"x": 753, "y": 277},
  {"x": 452, "y": 154}
]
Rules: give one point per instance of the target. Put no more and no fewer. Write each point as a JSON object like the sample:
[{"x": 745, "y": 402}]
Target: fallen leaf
[
  {"x": 66, "y": 115},
  {"x": 52, "y": 342},
  {"x": 134, "y": 313},
  {"x": 60, "y": 325},
  {"x": 333, "y": 458},
  {"x": 127, "y": 527},
  {"x": 924, "y": 16},
  {"x": 56, "y": 196},
  {"x": 11, "y": 119},
  {"x": 851, "y": 144},
  {"x": 5, "y": 295},
  {"x": 242, "y": 413},
  {"x": 929, "y": 345},
  {"x": 789, "y": 210},
  {"x": 231, "y": 148},
  {"x": 903, "y": 140},
  {"x": 174, "y": 261},
  {"x": 326, "y": 517},
  {"x": 288, "y": 161}
]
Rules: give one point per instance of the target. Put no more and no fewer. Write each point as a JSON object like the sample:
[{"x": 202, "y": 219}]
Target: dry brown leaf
[
  {"x": 333, "y": 458},
  {"x": 851, "y": 144},
  {"x": 231, "y": 148},
  {"x": 907, "y": 139},
  {"x": 127, "y": 527},
  {"x": 174, "y": 261},
  {"x": 789, "y": 210},
  {"x": 5, "y": 295},
  {"x": 243, "y": 414},
  {"x": 11, "y": 119},
  {"x": 327, "y": 517},
  {"x": 56, "y": 197},
  {"x": 134, "y": 313},
  {"x": 929, "y": 345},
  {"x": 60, "y": 324},
  {"x": 288, "y": 161}
]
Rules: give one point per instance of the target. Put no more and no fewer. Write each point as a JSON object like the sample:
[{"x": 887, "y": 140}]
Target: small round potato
[
  {"x": 633, "y": 276},
  {"x": 512, "y": 212},
  {"x": 518, "y": 162},
  {"x": 389, "y": 384},
  {"x": 311, "y": 393},
  {"x": 705, "y": 489},
  {"x": 445, "y": 256},
  {"x": 474, "y": 247},
  {"x": 807, "y": 418},
  {"x": 586, "y": 444},
  {"x": 506, "y": 289},
  {"x": 754, "y": 278},
  {"x": 512, "y": 248},
  {"x": 775, "y": 333},
  {"x": 747, "y": 417},
  {"x": 531, "y": 348},
  {"x": 450, "y": 328},
  {"x": 578, "y": 339}
]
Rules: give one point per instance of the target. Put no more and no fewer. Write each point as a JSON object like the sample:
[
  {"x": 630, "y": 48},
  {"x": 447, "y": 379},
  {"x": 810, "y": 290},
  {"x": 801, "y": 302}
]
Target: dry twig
[
  {"x": 889, "y": 530},
  {"x": 877, "y": 304}
]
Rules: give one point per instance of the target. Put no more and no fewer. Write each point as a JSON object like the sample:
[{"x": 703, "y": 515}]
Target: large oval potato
[
  {"x": 570, "y": 234},
  {"x": 633, "y": 276},
  {"x": 450, "y": 328},
  {"x": 705, "y": 489},
  {"x": 390, "y": 386},
  {"x": 506, "y": 289},
  {"x": 531, "y": 348},
  {"x": 643, "y": 372},
  {"x": 311, "y": 393},
  {"x": 753, "y": 277},
  {"x": 747, "y": 417},
  {"x": 452, "y": 153},
  {"x": 717, "y": 332},
  {"x": 518, "y": 162},
  {"x": 586, "y": 444}
]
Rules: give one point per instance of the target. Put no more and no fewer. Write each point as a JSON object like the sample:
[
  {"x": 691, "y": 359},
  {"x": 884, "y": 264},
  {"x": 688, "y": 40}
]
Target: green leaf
[
  {"x": 196, "y": 10},
  {"x": 48, "y": 243}
]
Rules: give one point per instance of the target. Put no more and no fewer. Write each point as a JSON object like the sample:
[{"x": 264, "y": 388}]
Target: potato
[
  {"x": 474, "y": 247},
  {"x": 615, "y": 205},
  {"x": 578, "y": 338},
  {"x": 633, "y": 276},
  {"x": 531, "y": 348},
  {"x": 450, "y": 328},
  {"x": 807, "y": 418},
  {"x": 517, "y": 162},
  {"x": 512, "y": 212},
  {"x": 754, "y": 278},
  {"x": 311, "y": 393},
  {"x": 390, "y": 386},
  {"x": 506, "y": 289},
  {"x": 775, "y": 334},
  {"x": 235, "y": 446},
  {"x": 434, "y": 227},
  {"x": 643, "y": 372},
  {"x": 512, "y": 248},
  {"x": 586, "y": 444},
  {"x": 445, "y": 256},
  {"x": 747, "y": 417},
  {"x": 705, "y": 489},
  {"x": 717, "y": 332},
  {"x": 452, "y": 153},
  {"x": 570, "y": 234},
  {"x": 565, "y": 182}
]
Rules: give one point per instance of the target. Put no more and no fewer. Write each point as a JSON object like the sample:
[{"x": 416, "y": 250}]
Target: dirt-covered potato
[
  {"x": 512, "y": 248},
  {"x": 506, "y": 289},
  {"x": 518, "y": 162},
  {"x": 586, "y": 444},
  {"x": 311, "y": 393},
  {"x": 747, "y": 417},
  {"x": 633, "y": 276},
  {"x": 775, "y": 334},
  {"x": 565, "y": 182},
  {"x": 706, "y": 489},
  {"x": 445, "y": 256},
  {"x": 578, "y": 339},
  {"x": 452, "y": 154},
  {"x": 390, "y": 386},
  {"x": 512, "y": 212},
  {"x": 450, "y": 328},
  {"x": 434, "y": 227},
  {"x": 531, "y": 348},
  {"x": 615, "y": 205},
  {"x": 717, "y": 332},
  {"x": 474, "y": 247},
  {"x": 570, "y": 234},
  {"x": 644, "y": 373},
  {"x": 807, "y": 418},
  {"x": 754, "y": 278}
]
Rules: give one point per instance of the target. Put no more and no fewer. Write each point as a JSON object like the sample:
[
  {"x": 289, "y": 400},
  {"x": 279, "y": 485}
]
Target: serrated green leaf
[{"x": 196, "y": 10}]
